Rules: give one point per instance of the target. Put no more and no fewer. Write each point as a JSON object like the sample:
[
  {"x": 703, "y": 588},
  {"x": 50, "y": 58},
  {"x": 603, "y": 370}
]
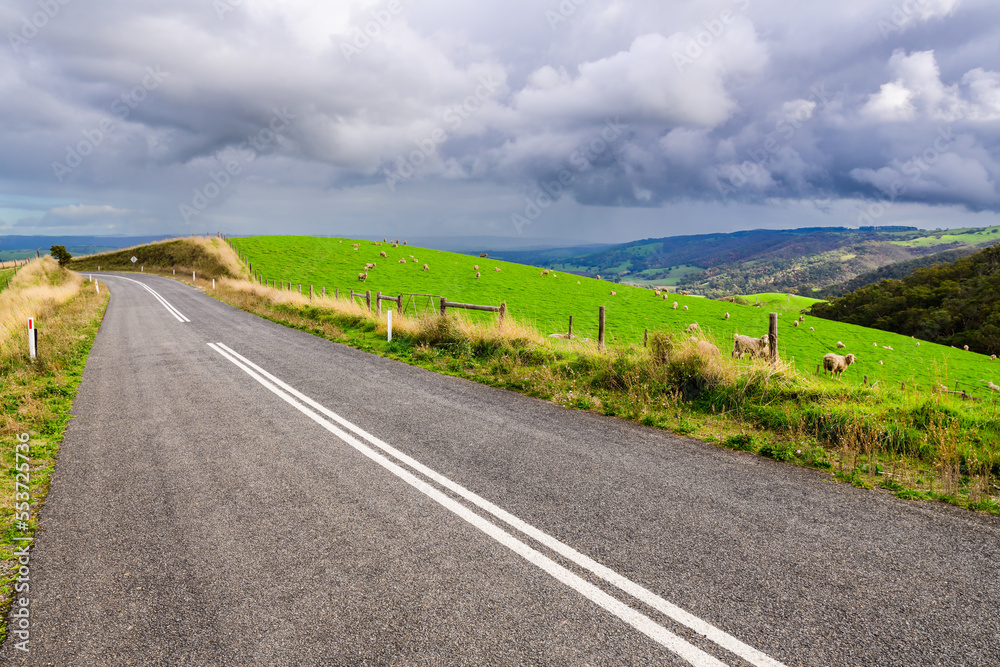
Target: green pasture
[
  {"x": 970, "y": 236},
  {"x": 548, "y": 301}
]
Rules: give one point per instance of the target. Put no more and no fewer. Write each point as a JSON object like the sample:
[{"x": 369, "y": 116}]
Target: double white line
[
  {"x": 166, "y": 304},
  {"x": 336, "y": 425}
]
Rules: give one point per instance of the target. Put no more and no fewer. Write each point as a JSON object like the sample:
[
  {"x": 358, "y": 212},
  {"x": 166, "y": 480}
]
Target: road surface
[{"x": 233, "y": 492}]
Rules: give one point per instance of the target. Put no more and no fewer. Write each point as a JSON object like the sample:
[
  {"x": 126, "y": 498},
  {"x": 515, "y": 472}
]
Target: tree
[{"x": 60, "y": 254}]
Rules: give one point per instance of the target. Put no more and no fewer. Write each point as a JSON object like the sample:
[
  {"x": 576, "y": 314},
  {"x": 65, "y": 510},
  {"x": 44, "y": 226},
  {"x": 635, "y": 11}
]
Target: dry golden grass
[{"x": 36, "y": 291}]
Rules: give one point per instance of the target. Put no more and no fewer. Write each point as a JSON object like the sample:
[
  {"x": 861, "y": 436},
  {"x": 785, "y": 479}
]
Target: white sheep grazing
[
  {"x": 840, "y": 345},
  {"x": 614, "y": 293},
  {"x": 706, "y": 349},
  {"x": 812, "y": 329},
  {"x": 415, "y": 260},
  {"x": 874, "y": 344},
  {"x": 477, "y": 275},
  {"x": 755, "y": 347},
  {"x": 835, "y": 364},
  {"x": 476, "y": 267},
  {"x": 692, "y": 327},
  {"x": 726, "y": 316},
  {"x": 685, "y": 307},
  {"x": 802, "y": 318},
  {"x": 496, "y": 268},
  {"x": 965, "y": 347},
  {"x": 363, "y": 277},
  {"x": 692, "y": 339},
  {"x": 795, "y": 324},
  {"x": 381, "y": 253},
  {"x": 993, "y": 387},
  {"x": 402, "y": 261},
  {"x": 544, "y": 272},
  {"x": 426, "y": 268},
  {"x": 675, "y": 305},
  {"x": 880, "y": 363},
  {"x": 369, "y": 266},
  {"x": 918, "y": 342},
  {"x": 993, "y": 357}
]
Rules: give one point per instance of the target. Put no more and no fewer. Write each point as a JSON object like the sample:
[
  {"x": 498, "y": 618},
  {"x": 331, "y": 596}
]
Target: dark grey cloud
[{"x": 162, "y": 115}]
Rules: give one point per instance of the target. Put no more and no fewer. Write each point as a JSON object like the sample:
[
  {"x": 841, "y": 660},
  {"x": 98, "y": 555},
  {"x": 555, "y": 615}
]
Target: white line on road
[
  {"x": 166, "y": 304},
  {"x": 720, "y": 637}
]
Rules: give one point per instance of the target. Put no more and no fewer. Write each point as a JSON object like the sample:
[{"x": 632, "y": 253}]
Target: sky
[{"x": 583, "y": 120}]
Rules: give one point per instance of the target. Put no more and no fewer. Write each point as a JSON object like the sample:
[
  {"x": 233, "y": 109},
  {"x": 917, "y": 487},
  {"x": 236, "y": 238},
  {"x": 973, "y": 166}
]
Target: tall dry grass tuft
[
  {"x": 36, "y": 291},
  {"x": 227, "y": 256}
]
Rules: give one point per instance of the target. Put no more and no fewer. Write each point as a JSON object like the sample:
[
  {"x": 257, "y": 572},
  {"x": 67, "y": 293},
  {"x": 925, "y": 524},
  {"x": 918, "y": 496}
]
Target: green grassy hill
[{"x": 548, "y": 300}]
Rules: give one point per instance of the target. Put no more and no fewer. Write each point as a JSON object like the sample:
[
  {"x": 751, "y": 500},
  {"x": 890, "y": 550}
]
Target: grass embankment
[
  {"x": 36, "y": 396},
  {"x": 915, "y": 443}
]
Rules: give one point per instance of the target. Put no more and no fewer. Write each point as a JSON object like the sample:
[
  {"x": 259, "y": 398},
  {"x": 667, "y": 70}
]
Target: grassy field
[
  {"x": 778, "y": 302},
  {"x": 547, "y": 301},
  {"x": 5, "y": 275},
  {"x": 945, "y": 237}
]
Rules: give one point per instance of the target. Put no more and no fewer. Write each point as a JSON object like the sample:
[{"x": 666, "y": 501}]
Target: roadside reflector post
[
  {"x": 772, "y": 337},
  {"x": 193, "y": 277},
  {"x": 32, "y": 337},
  {"x": 389, "y": 315},
  {"x": 213, "y": 283},
  {"x": 142, "y": 268},
  {"x": 600, "y": 328},
  {"x": 98, "y": 286}
]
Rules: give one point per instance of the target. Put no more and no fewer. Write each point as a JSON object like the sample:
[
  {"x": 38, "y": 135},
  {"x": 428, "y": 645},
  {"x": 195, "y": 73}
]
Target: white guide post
[
  {"x": 389, "y": 313},
  {"x": 32, "y": 337}
]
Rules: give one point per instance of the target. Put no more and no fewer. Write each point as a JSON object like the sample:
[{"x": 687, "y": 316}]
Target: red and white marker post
[{"x": 32, "y": 337}]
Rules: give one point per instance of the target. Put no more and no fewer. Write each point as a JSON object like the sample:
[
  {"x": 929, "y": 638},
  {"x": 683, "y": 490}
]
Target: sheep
[
  {"x": 685, "y": 293},
  {"x": 886, "y": 347},
  {"x": 426, "y": 268},
  {"x": 544, "y": 272},
  {"x": 381, "y": 253},
  {"x": 402, "y": 261},
  {"x": 726, "y": 316},
  {"x": 692, "y": 327},
  {"x": 993, "y": 357},
  {"x": 476, "y": 267},
  {"x": 675, "y": 305},
  {"x": 355, "y": 245},
  {"x": 415, "y": 261},
  {"x": 369, "y": 266},
  {"x": 874, "y": 344},
  {"x": 965, "y": 347},
  {"x": 880, "y": 363},
  {"x": 795, "y": 324},
  {"x": 755, "y": 347},
  {"x": 835, "y": 364},
  {"x": 918, "y": 342},
  {"x": 685, "y": 307},
  {"x": 481, "y": 254},
  {"x": 664, "y": 297},
  {"x": 614, "y": 293},
  {"x": 992, "y": 386},
  {"x": 840, "y": 345},
  {"x": 477, "y": 275},
  {"x": 692, "y": 339},
  {"x": 363, "y": 277},
  {"x": 395, "y": 245},
  {"x": 598, "y": 276},
  {"x": 812, "y": 329},
  {"x": 497, "y": 269},
  {"x": 706, "y": 349}
]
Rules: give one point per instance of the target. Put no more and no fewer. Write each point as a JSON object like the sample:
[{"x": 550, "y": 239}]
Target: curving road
[{"x": 233, "y": 492}]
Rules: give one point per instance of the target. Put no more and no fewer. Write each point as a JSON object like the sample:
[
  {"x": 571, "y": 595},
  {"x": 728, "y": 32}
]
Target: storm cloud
[{"x": 590, "y": 119}]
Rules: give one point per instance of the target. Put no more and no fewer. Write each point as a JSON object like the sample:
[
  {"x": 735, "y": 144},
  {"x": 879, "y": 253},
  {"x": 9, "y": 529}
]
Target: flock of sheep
[{"x": 363, "y": 276}]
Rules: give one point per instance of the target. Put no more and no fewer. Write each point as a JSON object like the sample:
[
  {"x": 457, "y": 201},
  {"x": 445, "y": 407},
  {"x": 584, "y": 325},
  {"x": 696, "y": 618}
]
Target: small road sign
[{"x": 134, "y": 259}]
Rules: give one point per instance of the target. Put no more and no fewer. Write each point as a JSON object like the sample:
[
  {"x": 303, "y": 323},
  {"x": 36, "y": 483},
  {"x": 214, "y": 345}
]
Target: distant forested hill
[{"x": 954, "y": 303}]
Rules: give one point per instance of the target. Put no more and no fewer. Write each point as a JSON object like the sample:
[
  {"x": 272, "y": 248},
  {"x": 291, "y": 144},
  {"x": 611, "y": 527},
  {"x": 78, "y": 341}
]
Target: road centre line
[
  {"x": 634, "y": 618},
  {"x": 166, "y": 304}
]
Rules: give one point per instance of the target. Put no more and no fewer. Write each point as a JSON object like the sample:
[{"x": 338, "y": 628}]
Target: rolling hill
[{"x": 802, "y": 261}]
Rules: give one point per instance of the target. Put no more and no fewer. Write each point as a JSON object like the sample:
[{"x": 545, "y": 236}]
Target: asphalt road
[{"x": 232, "y": 492}]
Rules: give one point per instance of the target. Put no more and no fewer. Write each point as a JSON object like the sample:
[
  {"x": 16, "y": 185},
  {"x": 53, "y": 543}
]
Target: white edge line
[
  {"x": 636, "y": 619},
  {"x": 166, "y": 304},
  {"x": 717, "y": 635}
]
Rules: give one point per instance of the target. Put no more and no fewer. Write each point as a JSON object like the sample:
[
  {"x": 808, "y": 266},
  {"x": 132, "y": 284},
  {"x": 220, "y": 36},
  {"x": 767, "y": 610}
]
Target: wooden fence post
[
  {"x": 324, "y": 291},
  {"x": 503, "y": 312},
  {"x": 399, "y": 304},
  {"x": 600, "y": 328},
  {"x": 310, "y": 292},
  {"x": 645, "y": 339},
  {"x": 444, "y": 305},
  {"x": 336, "y": 293},
  {"x": 368, "y": 300},
  {"x": 300, "y": 289},
  {"x": 772, "y": 337},
  {"x": 378, "y": 302}
]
